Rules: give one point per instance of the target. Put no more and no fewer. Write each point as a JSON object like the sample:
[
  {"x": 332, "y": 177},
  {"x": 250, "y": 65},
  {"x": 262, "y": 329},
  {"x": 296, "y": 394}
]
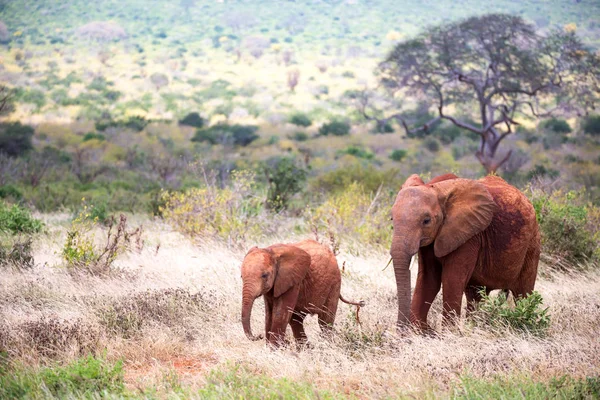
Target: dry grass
[{"x": 178, "y": 311}]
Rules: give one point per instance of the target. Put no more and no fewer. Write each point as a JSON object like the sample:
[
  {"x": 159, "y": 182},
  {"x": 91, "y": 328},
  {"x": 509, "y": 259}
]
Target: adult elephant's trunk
[
  {"x": 401, "y": 259},
  {"x": 247, "y": 303}
]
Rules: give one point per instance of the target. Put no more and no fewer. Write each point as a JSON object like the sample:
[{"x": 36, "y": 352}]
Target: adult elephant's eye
[{"x": 426, "y": 221}]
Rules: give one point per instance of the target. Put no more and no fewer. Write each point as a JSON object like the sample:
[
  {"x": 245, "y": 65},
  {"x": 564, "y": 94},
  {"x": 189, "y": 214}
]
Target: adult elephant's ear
[
  {"x": 468, "y": 210},
  {"x": 292, "y": 266}
]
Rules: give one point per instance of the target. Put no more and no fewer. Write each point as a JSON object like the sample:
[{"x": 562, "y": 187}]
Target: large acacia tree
[{"x": 484, "y": 71}]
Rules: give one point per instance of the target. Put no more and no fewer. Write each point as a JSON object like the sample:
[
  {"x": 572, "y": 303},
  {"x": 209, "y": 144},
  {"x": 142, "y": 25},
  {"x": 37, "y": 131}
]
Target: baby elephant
[{"x": 296, "y": 280}]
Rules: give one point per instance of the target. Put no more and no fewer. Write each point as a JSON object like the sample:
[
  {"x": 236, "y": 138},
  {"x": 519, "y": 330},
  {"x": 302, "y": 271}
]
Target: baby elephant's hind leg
[
  {"x": 327, "y": 314},
  {"x": 297, "y": 324}
]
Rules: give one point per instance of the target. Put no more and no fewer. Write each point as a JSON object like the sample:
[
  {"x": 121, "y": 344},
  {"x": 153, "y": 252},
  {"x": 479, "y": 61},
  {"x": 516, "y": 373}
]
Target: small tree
[
  {"x": 15, "y": 139},
  {"x": 286, "y": 178},
  {"x": 495, "y": 64},
  {"x": 293, "y": 77},
  {"x": 159, "y": 80}
]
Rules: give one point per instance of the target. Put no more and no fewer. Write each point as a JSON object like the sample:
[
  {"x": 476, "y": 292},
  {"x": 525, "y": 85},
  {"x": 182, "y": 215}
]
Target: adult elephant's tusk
[{"x": 387, "y": 265}]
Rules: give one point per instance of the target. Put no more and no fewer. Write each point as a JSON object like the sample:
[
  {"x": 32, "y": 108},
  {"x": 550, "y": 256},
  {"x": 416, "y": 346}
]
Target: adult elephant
[{"x": 469, "y": 234}]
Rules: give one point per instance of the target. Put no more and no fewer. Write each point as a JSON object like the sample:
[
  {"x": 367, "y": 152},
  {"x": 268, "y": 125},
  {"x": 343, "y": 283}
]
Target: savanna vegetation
[{"x": 145, "y": 148}]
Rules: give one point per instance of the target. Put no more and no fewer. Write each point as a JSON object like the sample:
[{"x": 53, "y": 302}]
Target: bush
[
  {"x": 81, "y": 253},
  {"x": 336, "y": 128},
  {"x": 398, "y": 155},
  {"x": 300, "y": 119},
  {"x": 339, "y": 179},
  {"x": 431, "y": 144},
  {"x": 526, "y": 316},
  {"x": 353, "y": 213},
  {"x": 233, "y": 213},
  {"x": 192, "y": 119},
  {"x": 285, "y": 178},
  {"x": 384, "y": 128},
  {"x": 300, "y": 136},
  {"x": 92, "y": 135},
  {"x": 15, "y": 139},
  {"x": 569, "y": 225},
  {"x": 557, "y": 125},
  {"x": 358, "y": 152},
  {"x": 591, "y": 125},
  {"x": 239, "y": 135},
  {"x": 14, "y": 219},
  {"x": 541, "y": 171}
]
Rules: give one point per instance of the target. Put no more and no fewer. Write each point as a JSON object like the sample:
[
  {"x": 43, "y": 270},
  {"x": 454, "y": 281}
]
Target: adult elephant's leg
[
  {"x": 283, "y": 307},
  {"x": 429, "y": 280},
  {"x": 457, "y": 268}
]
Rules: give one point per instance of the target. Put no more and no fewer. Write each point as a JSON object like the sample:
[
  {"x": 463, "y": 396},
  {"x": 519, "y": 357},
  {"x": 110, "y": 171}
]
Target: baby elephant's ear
[
  {"x": 292, "y": 264},
  {"x": 413, "y": 180}
]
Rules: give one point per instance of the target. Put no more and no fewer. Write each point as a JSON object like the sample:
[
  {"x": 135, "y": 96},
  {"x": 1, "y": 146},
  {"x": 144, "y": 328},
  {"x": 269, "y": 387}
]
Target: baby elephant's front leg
[{"x": 283, "y": 307}]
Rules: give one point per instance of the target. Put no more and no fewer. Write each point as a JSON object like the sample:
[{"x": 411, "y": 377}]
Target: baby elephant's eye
[
  {"x": 426, "y": 221},
  {"x": 264, "y": 275}
]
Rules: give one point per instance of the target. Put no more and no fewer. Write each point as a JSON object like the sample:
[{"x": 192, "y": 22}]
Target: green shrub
[
  {"x": 32, "y": 96},
  {"x": 339, "y": 179},
  {"x": 384, "y": 128},
  {"x": 15, "y": 219},
  {"x": 92, "y": 135},
  {"x": 286, "y": 178},
  {"x": 10, "y": 192},
  {"x": 557, "y": 125},
  {"x": 300, "y": 136},
  {"x": 300, "y": 119},
  {"x": 358, "y": 152},
  {"x": 234, "y": 213},
  {"x": 569, "y": 224},
  {"x": 353, "y": 213},
  {"x": 336, "y": 128},
  {"x": 192, "y": 119},
  {"x": 591, "y": 125},
  {"x": 526, "y": 316},
  {"x": 239, "y": 135},
  {"x": 236, "y": 382},
  {"x": 87, "y": 377},
  {"x": 519, "y": 387},
  {"x": 431, "y": 144},
  {"x": 540, "y": 171},
  {"x": 398, "y": 155},
  {"x": 15, "y": 139}
]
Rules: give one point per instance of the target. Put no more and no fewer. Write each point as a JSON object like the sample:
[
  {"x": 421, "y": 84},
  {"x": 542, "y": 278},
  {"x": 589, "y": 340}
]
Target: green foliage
[
  {"x": 339, "y": 179},
  {"x": 569, "y": 224},
  {"x": 10, "y": 192},
  {"x": 83, "y": 378},
  {"x": 237, "y": 382},
  {"x": 234, "y": 213},
  {"x": 353, "y": 213},
  {"x": 557, "y": 125},
  {"x": 520, "y": 387},
  {"x": 398, "y": 155},
  {"x": 32, "y": 96},
  {"x": 238, "y": 135},
  {"x": 300, "y": 136},
  {"x": 15, "y": 219},
  {"x": 300, "y": 119},
  {"x": 591, "y": 125},
  {"x": 15, "y": 139},
  {"x": 192, "y": 119},
  {"x": 286, "y": 178},
  {"x": 92, "y": 135},
  {"x": 540, "y": 170},
  {"x": 431, "y": 144},
  {"x": 358, "y": 152},
  {"x": 527, "y": 315},
  {"x": 384, "y": 128},
  {"x": 335, "y": 128}
]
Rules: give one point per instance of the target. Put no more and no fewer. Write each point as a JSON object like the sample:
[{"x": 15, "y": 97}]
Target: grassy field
[{"x": 168, "y": 324}]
